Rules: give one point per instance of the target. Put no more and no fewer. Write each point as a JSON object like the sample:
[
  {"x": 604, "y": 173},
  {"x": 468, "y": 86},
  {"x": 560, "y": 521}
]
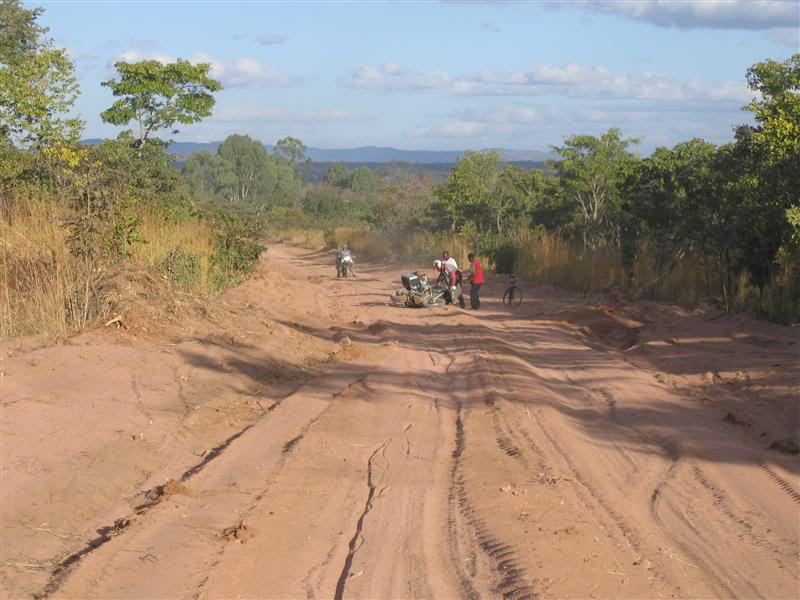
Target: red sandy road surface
[{"x": 431, "y": 453}]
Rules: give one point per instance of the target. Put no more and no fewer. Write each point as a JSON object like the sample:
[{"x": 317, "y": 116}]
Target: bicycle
[{"x": 513, "y": 296}]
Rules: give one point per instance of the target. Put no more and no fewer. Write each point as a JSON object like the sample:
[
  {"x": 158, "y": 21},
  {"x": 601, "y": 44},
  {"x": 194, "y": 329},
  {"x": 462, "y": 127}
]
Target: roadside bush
[
  {"x": 182, "y": 268},
  {"x": 504, "y": 257},
  {"x": 233, "y": 259}
]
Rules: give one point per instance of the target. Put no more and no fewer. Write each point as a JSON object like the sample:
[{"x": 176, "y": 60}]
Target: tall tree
[
  {"x": 777, "y": 110},
  {"x": 591, "y": 170},
  {"x": 20, "y": 34},
  {"x": 243, "y": 172},
  {"x": 672, "y": 196},
  {"x": 467, "y": 197},
  {"x": 157, "y": 96},
  {"x": 37, "y": 82},
  {"x": 363, "y": 180},
  {"x": 247, "y": 161},
  {"x": 293, "y": 151},
  {"x": 337, "y": 175},
  {"x": 766, "y": 165}
]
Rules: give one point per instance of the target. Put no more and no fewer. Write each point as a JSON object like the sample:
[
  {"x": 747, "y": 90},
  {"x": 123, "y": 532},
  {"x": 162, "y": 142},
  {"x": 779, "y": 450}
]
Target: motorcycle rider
[
  {"x": 451, "y": 278},
  {"x": 340, "y": 255}
]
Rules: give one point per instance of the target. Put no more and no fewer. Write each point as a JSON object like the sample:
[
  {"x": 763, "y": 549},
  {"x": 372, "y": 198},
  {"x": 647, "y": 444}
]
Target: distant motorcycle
[{"x": 345, "y": 266}]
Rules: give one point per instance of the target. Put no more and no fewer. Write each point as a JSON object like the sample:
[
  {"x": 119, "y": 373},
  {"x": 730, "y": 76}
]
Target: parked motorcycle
[{"x": 418, "y": 292}]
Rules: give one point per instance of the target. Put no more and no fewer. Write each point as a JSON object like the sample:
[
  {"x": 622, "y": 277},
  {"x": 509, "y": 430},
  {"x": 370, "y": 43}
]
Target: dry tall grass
[
  {"x": 162, "y": 236},
  {"x": 549, "y": 258},
  {"x": 45, "y": 289},
  {"x": 420, "y": 248},
  {"x": 313, "y": 238}
]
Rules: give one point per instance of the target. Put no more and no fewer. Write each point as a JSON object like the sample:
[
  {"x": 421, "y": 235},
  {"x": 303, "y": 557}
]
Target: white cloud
[
  {"x": 710, "y": 14},
  {"x": 242, "y": 72},
  {"x": 786, "y": 36},
  {"x": 576, "y": 81},
  {"x": 245, "y": 72},
  {"x": 133, "y": 56},
  {"x": 333, "y": 114},
  {"x": 249, "y": 114},
  {"x": 473, "y": 130},
  {"x": 271, "y": 39},
  {"x": 536, "y": 126},
  {"x": 76, "y": 55},
  {"x": 265, "y": 114}
]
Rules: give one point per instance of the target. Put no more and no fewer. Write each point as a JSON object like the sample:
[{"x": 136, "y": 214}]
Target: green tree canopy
[
  {"x": 484, "y": 195},
  {"x": 337, "y": 175},
  {"x": 157, "y": 96},
  {"x": 37, "y": 82},
  {"x": 293, "y": 151},
  {"x": 777, "y": 111},
  {"x": 20, "y": 34},
  {"x": 363, "y": 180},
  {"x": 671, "y": 195},
  {"x": 591, "y": 170},
  {"x": 243, "y": 172}
]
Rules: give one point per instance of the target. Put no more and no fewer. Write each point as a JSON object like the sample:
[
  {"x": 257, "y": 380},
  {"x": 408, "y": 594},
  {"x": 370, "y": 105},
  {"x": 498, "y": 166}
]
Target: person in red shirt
[{"x": 476, "y": 281}]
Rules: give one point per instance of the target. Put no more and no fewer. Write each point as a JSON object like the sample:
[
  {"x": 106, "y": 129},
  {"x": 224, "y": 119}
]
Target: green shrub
[
  {"x": 505, "y": 256},
  {"x": 182, "y": 268},
  {"x": 234, "y": 258}
]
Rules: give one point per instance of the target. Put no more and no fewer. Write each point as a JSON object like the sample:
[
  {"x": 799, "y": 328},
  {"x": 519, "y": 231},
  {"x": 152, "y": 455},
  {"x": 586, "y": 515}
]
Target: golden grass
[
  {"x": 421, "y": 248},
  {"x": 44, "y": 288},
  {"x": 549, "y": 258},
  {"x": 162, "y": 236},
  {"x": 313, "y": 238}
]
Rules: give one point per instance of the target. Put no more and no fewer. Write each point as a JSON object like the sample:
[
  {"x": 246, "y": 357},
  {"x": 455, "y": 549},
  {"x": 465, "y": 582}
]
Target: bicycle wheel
[{"x": 512, "y": 298}]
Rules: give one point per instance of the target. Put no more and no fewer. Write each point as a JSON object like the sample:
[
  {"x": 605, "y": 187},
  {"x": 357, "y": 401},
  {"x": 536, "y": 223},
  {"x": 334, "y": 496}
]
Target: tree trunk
[{"x": 141, "y": 129}]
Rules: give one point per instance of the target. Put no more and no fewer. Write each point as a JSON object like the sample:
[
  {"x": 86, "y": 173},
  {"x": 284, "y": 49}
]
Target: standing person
[{"x": 476, "y": 281}]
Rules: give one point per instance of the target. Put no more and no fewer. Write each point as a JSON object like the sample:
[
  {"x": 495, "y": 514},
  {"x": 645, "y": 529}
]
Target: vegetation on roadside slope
[{"x": 73, "y": 216}]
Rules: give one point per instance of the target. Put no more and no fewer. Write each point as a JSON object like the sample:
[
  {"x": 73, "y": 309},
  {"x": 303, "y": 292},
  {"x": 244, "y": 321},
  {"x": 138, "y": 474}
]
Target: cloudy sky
[{"x": 442, "y": 75}]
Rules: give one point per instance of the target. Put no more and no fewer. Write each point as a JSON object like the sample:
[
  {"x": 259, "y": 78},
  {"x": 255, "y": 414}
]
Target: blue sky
[{"x": 442, "y": 75}]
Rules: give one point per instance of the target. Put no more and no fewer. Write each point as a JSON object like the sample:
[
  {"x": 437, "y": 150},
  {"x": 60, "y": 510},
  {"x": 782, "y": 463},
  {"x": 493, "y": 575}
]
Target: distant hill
[
  {"x": 368, "y": 154},
  {"x": 435, "y": 171}
]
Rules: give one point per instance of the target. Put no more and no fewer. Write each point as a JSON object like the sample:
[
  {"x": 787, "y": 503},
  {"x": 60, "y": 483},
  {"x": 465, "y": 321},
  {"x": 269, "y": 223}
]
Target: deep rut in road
[
  {"x": 420, "y": 454},
  {"x": 513, "y": 582},
  {"x": 353, "y": 545}
]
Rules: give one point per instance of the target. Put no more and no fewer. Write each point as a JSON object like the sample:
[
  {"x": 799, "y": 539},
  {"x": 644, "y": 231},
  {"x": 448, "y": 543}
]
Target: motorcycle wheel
[{"x": 433, "y": 303}]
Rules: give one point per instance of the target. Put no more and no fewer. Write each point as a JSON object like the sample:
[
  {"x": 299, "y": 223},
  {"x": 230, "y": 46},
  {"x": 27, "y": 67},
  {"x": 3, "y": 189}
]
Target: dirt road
[{"x": 321, "y": 443}]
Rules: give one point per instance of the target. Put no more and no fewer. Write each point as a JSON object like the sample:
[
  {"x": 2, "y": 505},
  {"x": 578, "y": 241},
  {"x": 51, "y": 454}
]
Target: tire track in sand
[
  {"x": 782, "y": 483},
  {"x": 745, "y": 521},
  {"x": 462, "y": 517}
]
